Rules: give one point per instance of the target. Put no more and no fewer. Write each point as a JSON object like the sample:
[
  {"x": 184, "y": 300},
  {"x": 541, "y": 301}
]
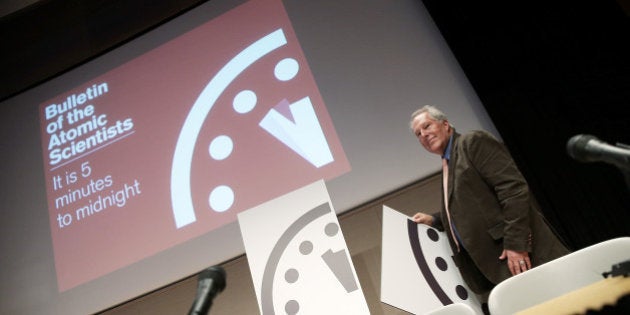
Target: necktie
[{"x": 448, "y": 213}]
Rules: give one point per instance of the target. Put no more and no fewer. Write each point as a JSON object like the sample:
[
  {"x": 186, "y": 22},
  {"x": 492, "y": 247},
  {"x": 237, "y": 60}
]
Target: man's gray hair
[{"x": 432, "y": 111}]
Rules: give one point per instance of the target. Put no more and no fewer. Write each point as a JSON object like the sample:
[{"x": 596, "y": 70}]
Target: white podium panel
[
  {"x": 418, "y": 273},
  {"x": 298, "y": 256}
]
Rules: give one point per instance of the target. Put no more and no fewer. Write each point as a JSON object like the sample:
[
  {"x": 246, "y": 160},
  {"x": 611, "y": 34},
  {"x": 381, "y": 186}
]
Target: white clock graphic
[
  {"x": 292, "y": 122},
  {"x": 299, "y": 259},
  {"x": 312, "y": 238}
]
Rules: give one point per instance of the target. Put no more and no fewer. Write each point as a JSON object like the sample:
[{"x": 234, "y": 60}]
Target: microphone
[
  {"x": 211, "y": 282},
  {"x": 587, "y": 148}
]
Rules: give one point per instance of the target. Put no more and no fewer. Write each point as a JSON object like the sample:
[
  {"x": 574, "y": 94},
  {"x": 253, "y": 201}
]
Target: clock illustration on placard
[
  {"x": 447, "y": 289},
  {"x": 281, "y": 130},
  {"x": 310, "y": 253}
]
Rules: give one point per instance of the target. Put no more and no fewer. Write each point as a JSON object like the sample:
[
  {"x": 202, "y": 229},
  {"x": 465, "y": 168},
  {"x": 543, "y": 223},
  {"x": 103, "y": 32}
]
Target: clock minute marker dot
[
  {"x": 433, "y": 235},
  {"x": 331, "y": 229},
  {"x": 221, "y": 147},
  {"x": 441, "y": 263},
  {"x": 244, "y": 101},
  {"x": 221, "y": 198},
  {"x": 292, "y": 307},
  {"x": 286, "y": 69},
  {"x": 291, "y": 275},
  {"x": 461, "y": 292},
  {"x": 306, "y": 247}
]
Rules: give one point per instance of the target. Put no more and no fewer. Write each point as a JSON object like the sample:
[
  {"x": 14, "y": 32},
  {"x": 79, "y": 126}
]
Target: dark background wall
[{"x": 544, "y": 72}]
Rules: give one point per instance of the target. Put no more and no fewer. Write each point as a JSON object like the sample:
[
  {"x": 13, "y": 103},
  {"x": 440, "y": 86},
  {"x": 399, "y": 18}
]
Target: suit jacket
[{"x": 492, "y": 209}]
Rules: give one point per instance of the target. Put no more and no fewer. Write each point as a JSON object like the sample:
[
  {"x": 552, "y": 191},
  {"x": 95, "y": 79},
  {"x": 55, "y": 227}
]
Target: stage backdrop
[{"x": 127, "y": 173}]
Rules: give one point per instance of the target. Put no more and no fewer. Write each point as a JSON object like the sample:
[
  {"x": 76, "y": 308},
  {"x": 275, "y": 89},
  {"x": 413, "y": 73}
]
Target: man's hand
[
  {"x": 423, "y": 218},
  {"x": 517, "y": 261}
]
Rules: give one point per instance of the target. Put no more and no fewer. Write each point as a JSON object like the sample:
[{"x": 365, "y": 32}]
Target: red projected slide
[{"x": 176, "y": 142}]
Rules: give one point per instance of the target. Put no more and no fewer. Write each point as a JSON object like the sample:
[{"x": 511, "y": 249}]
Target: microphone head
[
  {"x": 576, "y": 147},
  {"x": 217, "y": 274}
]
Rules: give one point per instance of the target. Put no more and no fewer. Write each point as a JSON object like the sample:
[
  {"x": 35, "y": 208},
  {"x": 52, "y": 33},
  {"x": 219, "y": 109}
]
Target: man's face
[{"x": 432, "y": 134}]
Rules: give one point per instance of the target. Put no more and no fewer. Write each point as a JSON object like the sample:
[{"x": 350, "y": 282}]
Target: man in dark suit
[{"x": 494, "y": 225}]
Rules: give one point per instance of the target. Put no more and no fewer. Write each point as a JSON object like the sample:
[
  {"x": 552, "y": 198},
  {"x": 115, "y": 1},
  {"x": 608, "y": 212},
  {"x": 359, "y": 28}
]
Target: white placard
[
  {"x": 298, "y": 256},
  {"x": 418, "y": 273}
]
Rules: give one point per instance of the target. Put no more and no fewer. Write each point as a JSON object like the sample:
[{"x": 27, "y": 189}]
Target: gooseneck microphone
[
  {"x": 587, "y": 148},
  {"x": 211, "y": 282}
]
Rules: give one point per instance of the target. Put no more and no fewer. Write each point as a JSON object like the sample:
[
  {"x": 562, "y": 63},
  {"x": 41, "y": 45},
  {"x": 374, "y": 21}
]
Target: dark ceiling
[
  {"x": 49, "y": 37},
  {"x": 45, "y": 38}
]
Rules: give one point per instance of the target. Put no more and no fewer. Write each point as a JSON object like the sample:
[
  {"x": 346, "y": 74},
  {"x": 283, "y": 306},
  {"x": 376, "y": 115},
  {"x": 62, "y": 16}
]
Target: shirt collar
[{"x": 447, "y": 151}]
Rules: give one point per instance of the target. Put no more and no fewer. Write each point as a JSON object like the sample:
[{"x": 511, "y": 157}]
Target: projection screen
[{"x": 126, "y": 174}]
